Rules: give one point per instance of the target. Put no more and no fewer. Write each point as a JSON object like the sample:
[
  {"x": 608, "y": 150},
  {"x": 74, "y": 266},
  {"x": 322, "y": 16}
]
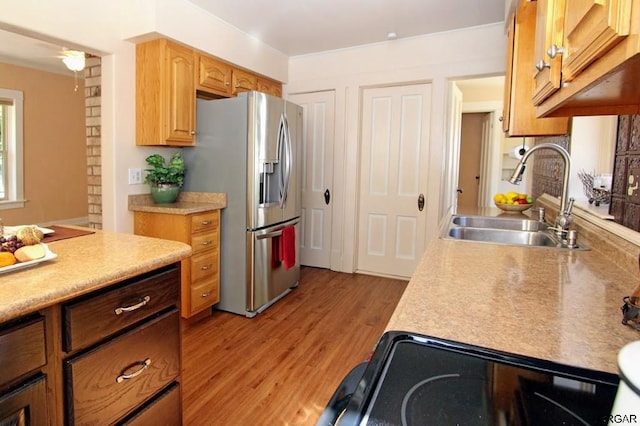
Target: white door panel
[
  {"x": 393, "y": 173},
  {"x": 317, "y": 176}
]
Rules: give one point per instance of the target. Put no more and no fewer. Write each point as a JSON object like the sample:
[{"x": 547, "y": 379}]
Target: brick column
[{"x": 92, "y": 90}]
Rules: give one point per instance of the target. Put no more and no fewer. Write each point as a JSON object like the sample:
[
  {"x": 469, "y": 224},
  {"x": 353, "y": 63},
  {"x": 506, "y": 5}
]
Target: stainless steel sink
[
  {"x": 518, "y": 231},
  {"x": 502, "y": 236},
  {"x": 515, "y": 224}
]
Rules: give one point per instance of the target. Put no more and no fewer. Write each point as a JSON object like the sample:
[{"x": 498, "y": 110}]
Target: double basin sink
[{"x": 519, "y": 231}]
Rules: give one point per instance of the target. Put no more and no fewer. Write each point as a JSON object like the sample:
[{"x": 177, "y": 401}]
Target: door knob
[
  {"x": 459, "y": 190},
  {"x": 327, "y": 196},
  {"x": 420, "y": 202}
]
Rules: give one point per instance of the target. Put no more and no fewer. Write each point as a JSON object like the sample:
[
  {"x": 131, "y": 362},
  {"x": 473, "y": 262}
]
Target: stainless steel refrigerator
[{"x": 249, "y": 148}]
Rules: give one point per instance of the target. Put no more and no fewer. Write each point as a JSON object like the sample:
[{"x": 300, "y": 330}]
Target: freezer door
[{"x": 268, "y": 277}]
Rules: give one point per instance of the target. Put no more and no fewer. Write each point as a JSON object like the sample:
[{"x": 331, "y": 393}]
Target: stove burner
[
  {"x": 438, "y": 401},
  {"x": 562, "y": 407}
]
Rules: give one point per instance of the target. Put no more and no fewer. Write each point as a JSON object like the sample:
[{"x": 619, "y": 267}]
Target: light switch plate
[{"x": 135, "y": 176}]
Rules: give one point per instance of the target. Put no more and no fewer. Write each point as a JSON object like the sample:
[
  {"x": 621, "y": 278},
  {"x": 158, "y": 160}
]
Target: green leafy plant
[{"x": 163, "y": 173}]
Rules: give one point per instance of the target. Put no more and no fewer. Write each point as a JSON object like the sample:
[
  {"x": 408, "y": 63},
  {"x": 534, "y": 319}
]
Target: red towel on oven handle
[{"x": 288, "y": 246}]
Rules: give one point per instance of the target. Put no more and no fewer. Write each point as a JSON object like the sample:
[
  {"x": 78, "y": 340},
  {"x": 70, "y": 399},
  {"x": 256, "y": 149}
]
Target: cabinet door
[
  {"x": 269, "y": 87},
  {"x": 213, "y": 76},
  {"x": 591, "y": 29},
  {"x": 519, "y": 117},
  {"x": 547, "y": 71},
  {"x": 243, "y": 81},
  {"x": 181, "y": 98},
  {"x": 25, "y": 405}
]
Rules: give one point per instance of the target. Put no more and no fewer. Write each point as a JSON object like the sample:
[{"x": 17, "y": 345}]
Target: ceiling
[{"x": 298, "y": 27}]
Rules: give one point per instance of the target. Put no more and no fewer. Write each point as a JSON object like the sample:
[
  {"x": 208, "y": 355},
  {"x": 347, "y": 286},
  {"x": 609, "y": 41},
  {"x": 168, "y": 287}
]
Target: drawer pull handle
[
  {"x": 143, "y": 302},
  {"x": 144, "y": 365},
  {"x": 206, "y": 222},
  {"x": 207, "y": 294},
  {"x": 206, "y": 243},
  {"x": 205, "y": 267}
]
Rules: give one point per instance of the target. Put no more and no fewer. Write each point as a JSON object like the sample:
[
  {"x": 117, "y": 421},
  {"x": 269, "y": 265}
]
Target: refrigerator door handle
[
  {"x": 284, "y": 140},
  {"x": 269, "y": 235}
]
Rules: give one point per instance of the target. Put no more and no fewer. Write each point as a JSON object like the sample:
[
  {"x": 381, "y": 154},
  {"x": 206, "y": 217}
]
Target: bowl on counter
[{"x": 513, "y": 208}]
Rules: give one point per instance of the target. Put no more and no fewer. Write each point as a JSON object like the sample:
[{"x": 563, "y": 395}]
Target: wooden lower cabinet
[
  {"x": 103, "y": 388},
  {"x": 109, "y": 357},
  {"x": 200, "y": 287},
  {"x": 122, "y": 350},
  {"x": 25, "y": 405},
  {"x": 23, "y": 398}
]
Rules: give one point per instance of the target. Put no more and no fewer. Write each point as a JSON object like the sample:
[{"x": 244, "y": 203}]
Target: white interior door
[
  {"x": 449, "y": 194},
  {"x": 393, "y": 176},
  {"x": 317, "y": 176}
]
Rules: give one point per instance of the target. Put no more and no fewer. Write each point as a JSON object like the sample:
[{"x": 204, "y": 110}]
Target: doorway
[{"x": 472, "y": 136}]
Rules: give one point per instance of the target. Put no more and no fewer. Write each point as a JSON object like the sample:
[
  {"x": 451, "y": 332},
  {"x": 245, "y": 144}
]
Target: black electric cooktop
[{"x": 418, "y": 380}]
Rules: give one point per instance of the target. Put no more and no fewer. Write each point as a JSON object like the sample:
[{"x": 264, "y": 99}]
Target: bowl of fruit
[{"x": 513, "y": 202}]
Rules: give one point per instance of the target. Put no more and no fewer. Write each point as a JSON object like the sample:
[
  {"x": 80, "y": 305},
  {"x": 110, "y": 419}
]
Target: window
[{"x": 11, "y": 149}]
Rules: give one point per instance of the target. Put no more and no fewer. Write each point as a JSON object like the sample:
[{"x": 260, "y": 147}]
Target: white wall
[
  {"x": 103, "y": 28},
  {"x": 435, "y": 58}
]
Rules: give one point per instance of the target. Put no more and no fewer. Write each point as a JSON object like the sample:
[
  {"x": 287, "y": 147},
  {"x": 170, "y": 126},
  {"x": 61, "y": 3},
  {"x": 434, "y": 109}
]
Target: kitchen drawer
[
  {"x": 203, "y": 265},
  {"x": 98, "y": 391},
  {"x": 205, "y": 293},
  {"x": 204, "y": 241},
  {"x": 88, "y": 321},
  {"x": 26, "y": 404},
  {"x": 22, "y": 348},
  {"x": 163, "y": 410},
  {"x": 206, "y": 220}
]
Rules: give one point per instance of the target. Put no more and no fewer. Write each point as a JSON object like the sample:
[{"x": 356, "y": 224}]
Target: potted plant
[{"x": 165, "y": 179}]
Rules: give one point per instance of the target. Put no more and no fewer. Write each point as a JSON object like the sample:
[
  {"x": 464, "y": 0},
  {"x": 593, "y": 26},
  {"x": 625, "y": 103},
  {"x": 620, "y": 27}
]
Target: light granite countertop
[
  {"x": 544, "y": 303},
  {"x": 83, "y": 264},
  {"x": 187, "y": 203}
]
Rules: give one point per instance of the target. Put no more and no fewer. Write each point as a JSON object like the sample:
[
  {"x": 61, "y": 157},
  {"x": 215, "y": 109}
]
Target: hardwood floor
[{"x": 281, "y": 367}]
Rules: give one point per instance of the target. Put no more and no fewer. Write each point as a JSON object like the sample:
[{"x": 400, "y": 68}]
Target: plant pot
[{"x": 164, "y": 193}]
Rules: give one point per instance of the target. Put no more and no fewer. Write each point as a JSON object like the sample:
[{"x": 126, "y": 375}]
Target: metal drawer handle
[
  {"x": 206, "y": 243},
  {"x": 143, "y": 302},
  {"x": 206, "y": 222},
  {"x": 207, "y": 294},
  {"x": 205, "y": 267},
  {"x": 144, "y": 365}
]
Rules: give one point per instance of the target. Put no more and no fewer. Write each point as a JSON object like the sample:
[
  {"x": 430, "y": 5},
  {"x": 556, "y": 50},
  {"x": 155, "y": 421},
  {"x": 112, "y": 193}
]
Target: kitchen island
[
  {"x": 93, "y": 335},
  {"x": 84, "y": 264},
  {"x": 558, "y": 305}
]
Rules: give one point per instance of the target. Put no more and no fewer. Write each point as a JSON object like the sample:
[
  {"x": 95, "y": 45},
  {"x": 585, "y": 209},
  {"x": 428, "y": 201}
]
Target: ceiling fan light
[{"x": 74, "y": 60}]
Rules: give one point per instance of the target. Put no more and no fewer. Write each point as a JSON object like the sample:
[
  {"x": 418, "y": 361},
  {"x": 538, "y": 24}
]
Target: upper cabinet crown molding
[
  {"x": 170, "y": 76},
  {"x": 519, "y": 117}
]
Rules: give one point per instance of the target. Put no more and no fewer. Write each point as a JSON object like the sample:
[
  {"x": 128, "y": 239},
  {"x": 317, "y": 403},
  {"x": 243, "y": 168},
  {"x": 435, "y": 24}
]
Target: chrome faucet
[{"x": 563, "y": 219}]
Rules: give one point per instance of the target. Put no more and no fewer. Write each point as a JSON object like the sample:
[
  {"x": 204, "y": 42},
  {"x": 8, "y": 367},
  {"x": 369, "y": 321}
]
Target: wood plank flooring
[{"x": 281, "y": 367}]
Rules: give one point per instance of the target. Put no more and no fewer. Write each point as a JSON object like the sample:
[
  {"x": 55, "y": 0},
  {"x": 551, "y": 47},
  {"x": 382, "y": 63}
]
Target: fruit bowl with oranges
[{"x": 513, "y": 202}]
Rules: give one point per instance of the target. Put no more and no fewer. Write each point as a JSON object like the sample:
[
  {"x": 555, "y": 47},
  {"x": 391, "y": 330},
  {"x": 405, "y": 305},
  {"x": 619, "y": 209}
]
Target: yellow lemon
[
  {"x": 511, "y": 195},
  {"x": 498, "y": 197}
]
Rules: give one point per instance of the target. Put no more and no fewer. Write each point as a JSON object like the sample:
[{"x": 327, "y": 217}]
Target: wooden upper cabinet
[
  {"x": 591, "y": 28},
  {"x": 269, "y": 87},
  {"x": 242, "y": 81},
  {"x": 519, "y": 115},
  {"x": 547, "y": 71},
  {"x": 165, "y": 95},
  {"x": 213, "y": 76},
  {"x": 590, "y": 53}
]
